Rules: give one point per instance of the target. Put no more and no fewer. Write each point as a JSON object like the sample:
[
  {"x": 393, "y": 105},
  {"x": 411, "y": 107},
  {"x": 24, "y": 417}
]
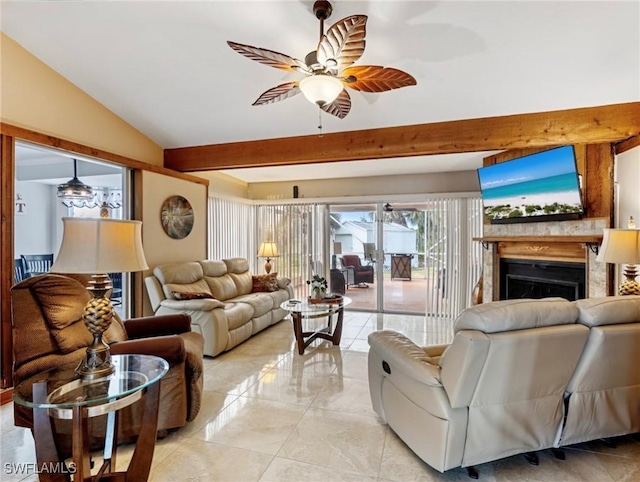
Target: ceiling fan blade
[
  {"x": 339, "y": 107},
  {"x": 278, "y": 93},
  {"x": 269, "y": 57},
  {"x": 344, "y": 41},
  {"x": 373, "y": 78}
]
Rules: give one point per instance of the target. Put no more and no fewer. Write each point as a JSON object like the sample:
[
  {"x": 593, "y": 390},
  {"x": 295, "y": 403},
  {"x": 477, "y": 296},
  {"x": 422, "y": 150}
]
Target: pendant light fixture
[{"x": 74, "y": 191}]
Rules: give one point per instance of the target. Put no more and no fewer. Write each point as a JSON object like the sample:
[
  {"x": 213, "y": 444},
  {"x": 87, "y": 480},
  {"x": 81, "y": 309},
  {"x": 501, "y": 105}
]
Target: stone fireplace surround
[{"x": 565, "y": 241}]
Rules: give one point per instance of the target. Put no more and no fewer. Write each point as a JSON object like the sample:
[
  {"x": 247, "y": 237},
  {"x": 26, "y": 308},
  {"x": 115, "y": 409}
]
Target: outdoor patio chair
[{"x": 356, "y": 274}]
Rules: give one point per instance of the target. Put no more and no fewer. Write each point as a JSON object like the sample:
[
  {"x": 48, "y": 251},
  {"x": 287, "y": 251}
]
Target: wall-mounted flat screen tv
[{"x": 538, "y": 187}]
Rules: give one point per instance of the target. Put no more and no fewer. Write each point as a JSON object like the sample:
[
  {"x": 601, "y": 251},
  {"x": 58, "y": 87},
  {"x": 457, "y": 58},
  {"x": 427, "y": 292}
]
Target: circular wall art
[{"x": 177, "y": 217}]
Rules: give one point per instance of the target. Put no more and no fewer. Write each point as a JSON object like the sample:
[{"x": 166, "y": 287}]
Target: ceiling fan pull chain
[{"x": 320, "y": 121}]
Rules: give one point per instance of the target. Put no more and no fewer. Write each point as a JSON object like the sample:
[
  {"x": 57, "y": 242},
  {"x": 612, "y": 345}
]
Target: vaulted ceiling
[{"x": 165, "y": 67}]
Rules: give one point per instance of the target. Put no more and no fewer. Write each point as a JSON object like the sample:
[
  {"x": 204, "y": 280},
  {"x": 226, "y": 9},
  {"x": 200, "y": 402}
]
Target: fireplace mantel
[
  {"x": 595, "y": 238},
  {"x": 592, "y": 241}
]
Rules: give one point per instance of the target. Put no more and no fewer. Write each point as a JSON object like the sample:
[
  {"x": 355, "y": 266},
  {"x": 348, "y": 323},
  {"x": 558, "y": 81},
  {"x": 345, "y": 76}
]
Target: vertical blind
[
  {"x": 231, "y": 230},
  {"x": 453, "y": 260},
  {"x": 297, "y": 230}
]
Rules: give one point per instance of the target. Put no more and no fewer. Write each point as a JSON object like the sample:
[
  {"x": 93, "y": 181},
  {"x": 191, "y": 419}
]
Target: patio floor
[{"x": 418, "y": 295}]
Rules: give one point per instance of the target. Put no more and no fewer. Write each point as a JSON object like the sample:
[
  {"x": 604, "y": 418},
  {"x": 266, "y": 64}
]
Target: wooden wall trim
[
  {"x": 137, "y": 279},
  {"x": 610, "y": 123},
  {"x": 6, "y": 396},
  {"x": 627, "y": 144},
  {"x": 598, "y": 182},
  {"x": 7, "y": 205},
  {"x": 55, "y": 142}
]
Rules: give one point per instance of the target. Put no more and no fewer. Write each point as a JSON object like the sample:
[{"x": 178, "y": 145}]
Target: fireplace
[
  {"x": 526, "y": 278},
  {"x": 553, "y": 248}
]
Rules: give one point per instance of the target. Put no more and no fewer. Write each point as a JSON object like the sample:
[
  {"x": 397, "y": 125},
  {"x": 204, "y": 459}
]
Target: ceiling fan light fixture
[{"x": 321, "y": 89}]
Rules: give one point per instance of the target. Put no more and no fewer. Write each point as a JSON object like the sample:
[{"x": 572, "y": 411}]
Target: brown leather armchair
[
  {"x": 356, "y": 273},
  {"x": 48, "y": 332}
]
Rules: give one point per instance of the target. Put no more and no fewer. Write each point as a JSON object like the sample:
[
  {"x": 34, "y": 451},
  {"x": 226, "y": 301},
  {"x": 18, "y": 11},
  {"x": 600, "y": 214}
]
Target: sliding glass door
[
  {"x": 416, "y": 258},
  {"x": 421, "y": 254},
  {"x": 353, "y": 235}
]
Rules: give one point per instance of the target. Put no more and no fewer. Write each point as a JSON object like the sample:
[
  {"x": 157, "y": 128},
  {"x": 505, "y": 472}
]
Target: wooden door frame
[
  {"x": 7, "y": 167},
  {"x": 9, "y": 135}
]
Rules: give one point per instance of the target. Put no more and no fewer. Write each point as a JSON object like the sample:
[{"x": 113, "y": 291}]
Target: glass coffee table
[
  {"x": 305, "y": 310},
  {"x": 61, "y": 393}
]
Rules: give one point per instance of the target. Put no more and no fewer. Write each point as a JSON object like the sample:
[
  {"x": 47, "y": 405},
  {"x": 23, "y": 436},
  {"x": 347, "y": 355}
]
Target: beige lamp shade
[
  {"x": 337, "y": 247},
  {"x": 268, "y": 250},
  {"x": 620, "y": 246},
  {"x": 100, "y": 246}
]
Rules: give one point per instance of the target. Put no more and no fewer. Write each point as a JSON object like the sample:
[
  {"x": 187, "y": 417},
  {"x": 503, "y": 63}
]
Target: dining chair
[{"x": 35, "y": 264}]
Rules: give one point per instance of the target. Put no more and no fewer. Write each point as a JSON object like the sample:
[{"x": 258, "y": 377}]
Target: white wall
[
  {"x": 442, "y": 182},
  {"x": 627, "y": 166},
  {"x": 35, "y": 216},
  {"x": 159, "y": 248},
  {"x": 627, "y": 177}
]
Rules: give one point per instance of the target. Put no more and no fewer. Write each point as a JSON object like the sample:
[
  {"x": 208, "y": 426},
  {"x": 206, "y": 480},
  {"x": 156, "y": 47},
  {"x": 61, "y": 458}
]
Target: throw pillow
[
  {"x": 72, "y": 337},
  {"x": 191, "y": 296},
  {"x": 264, "y": 283}
]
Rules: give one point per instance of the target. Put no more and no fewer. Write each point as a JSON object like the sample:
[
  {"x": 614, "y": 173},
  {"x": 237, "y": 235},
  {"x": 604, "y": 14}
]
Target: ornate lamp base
[
  {"x": 96, "y": 363},
  {"x": 630, "y": 286},
  {"x": 97, "y": 318}
]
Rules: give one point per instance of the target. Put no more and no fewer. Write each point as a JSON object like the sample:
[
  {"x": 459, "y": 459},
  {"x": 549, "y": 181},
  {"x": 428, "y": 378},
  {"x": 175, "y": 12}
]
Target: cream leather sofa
[
  {"x": 497, "y": 390},
  {"x": 603, "y": 395},
  {"x": 232, "y": 315}
]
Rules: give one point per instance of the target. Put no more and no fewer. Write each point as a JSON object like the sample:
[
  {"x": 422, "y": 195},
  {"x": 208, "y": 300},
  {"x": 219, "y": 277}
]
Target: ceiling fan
[
  {"x": 329, "y": 68},
  {"x": 388, "y": 208}
]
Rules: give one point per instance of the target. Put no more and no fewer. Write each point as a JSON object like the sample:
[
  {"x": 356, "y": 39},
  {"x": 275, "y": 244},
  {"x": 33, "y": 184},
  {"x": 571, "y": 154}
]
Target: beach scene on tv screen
[{"x": 542, "y": 184}]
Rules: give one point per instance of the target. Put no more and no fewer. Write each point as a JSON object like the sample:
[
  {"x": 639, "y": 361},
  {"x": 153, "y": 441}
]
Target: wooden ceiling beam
[{"x": 609, "y": 123}]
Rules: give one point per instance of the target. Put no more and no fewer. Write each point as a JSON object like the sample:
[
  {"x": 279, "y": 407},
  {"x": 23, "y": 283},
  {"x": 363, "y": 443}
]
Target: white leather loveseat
[
  {"x": 226, "y": 303},
  {"x": 603, "y": 396},
  {"x": 519, "y": 376},
  {"x": 497, "y": 390}
]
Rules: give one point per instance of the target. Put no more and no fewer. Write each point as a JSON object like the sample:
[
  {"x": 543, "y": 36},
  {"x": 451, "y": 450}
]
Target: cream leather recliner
[
  {"x": 603, "y": 396},
  {"x": 495, "y": 391}
]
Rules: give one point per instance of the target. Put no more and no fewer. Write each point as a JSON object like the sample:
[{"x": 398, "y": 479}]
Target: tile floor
[{"x": 269, "y": 414}]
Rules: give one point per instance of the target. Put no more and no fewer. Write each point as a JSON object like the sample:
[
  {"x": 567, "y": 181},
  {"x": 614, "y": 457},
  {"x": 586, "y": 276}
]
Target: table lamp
[
  {"x": 268, "y": 250},
  {"x": 97, "y": 247},
  {"x": 622, "y": 246}
]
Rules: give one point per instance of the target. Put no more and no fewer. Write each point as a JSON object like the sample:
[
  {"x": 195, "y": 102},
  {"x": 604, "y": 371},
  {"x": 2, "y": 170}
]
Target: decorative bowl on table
[{"x": 327, "y": 298}]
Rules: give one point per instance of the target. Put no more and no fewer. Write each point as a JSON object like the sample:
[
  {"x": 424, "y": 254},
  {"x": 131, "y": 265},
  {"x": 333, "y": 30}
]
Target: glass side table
[
  {"x": 61, "y": 393},
  {"x": 305, "y": 310}
]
